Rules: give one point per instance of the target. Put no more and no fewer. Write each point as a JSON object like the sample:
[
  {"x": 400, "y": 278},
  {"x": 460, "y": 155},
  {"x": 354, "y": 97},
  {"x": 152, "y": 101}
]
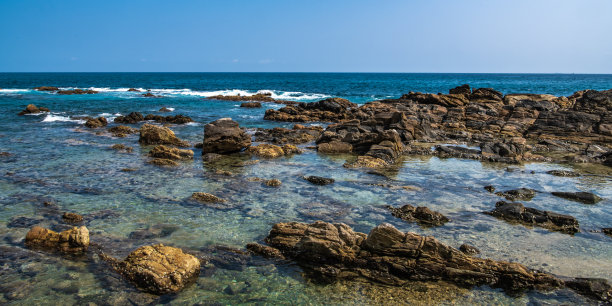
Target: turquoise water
[{"x": 56, "y": 158}]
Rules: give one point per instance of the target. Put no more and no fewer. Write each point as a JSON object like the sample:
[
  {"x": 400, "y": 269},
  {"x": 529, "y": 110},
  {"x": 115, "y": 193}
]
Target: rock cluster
[
  {"x": 74, "y": 240},
  {"x": 135, "y": 117},
  {"x": 77, "y": 91},
  {"x": 166, "y": 156},
  {"x": 251, "y": 105},
  {"x": 330, "y": 110},
  {"x": 96, "y": 122},
  {"x": 272, "y": 151},
  {"x": 122, "y": 131},
  {"x": 33, "y": 109},
  {"x": 422, "y": 215},
  {"x": 516, "y": 212},
  {"x": 297, "y": 135},
  {"x": 224, "y": 136},
  {"x": 521, "y": 194},
  {"x": 156, "y": 135}
]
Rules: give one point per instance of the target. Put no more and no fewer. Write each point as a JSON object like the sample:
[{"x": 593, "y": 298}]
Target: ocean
[{"x": 54, "y": 158}]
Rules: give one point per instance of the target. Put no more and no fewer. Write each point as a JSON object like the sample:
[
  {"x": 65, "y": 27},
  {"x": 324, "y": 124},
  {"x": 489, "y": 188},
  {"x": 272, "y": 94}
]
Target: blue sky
[{"x": 530, "y": 36}]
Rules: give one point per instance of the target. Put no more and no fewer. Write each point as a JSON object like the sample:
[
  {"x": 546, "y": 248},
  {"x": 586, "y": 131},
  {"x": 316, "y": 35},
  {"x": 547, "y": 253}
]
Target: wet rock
[
  {"x": 204, "y": 197},
  {"x": 251, "y": 105},
  {"x": 422, "y": 215},
  {"x": 264, "y": 250},
  {"x": 96, "y": 122},
  {"x": 77, "y": 91},
  {"x": 521, "y": 194},
  {"x": 150, "y": 95},
  {"x": 328, "y": 110},
  {"x": 131, "y": 118},
  {"x": 366, "y": 162},
  {"x": 155, "y": 231},
  {"x": 156, "y": 135},
  {"x": 516, "y": 212},
  {"x": 224, "y": 136},
  {"x": 461, "y": 90},
  {"x": 5, "y": 154},
  {"x": 331, "y": 252},
  {"x": 165, "y": 152},
  {"x": 75, "y": 240},
  {"x": 489, "y": 188},
  {"x": 122, "y": 147},
  {"x": 259, "y": 97},
  {"x": 272, "y": 183},
  {"x": 297, "y": 135},
  {"x": 335, "y": 147},
  {"x": 582, "y": 197},
  {"x": 72, "y": 218},
  {"x": 46, "y": 88},
  {"x": 318, "y": 180},
  {"x": 596, "y": 288},
  {"x": 163, "y": 162},
  {"x": 122, "y": 131},
  {"x": 128, "y": 169},
  {"x": 563, "y": 173},
  {"x": 607, "y": 231},
  {"x": 33, "y": 109},
  {"x": 211, "y": 157},
  {"x": 469, "y": 250},
  {"x": 133, "y": 90},
  {"x": 164, "y": 110},
  {"x": 158, "y": 269},
  {"x": 272, "y": 151},
  {"x": 177, "y": 119}
]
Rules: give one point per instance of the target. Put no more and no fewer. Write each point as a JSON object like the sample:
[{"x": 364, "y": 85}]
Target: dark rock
[
  {"x": 563, "y": 173},
  {"x": 72, "y": 218},
  {"x": 23, "y": 222},
  {"x": 489, "y": 188},
  {"x": 32, "y": 109},
  {"x": 461, "y": 90},
  {"x": 122, "y": 131},
  {"x": 321, "y": 181},
  {"x": 469, "y": 250},
  {"x": 521, "y": 194},
  {"x": 155, "y": 231},
  {"x": 297, "y": 135},
  {"x": 224, "y": 136},
  {"x": 177, "y": 119},
  {"x": 607, "y": 231},
  {"x": 165, "y": 152},
  {"x": 133, "y": 90},
  {"x": 164, "y": 110},
  {"x": 122, "y": 147},
  {"x": 46, "y": 88},
  {"x": 422, "y": 215},
  {"x": 156, "y": 135},
  {"x": 516, "y": 212},
  {"x": 272, "y": 183},
  {"x": 131, "y": 118},
  {"x": 96, "y": 123},
  {"x": 596, "y": 288},
  {"x": 265, "y": 251},
  {"x": 77, "y": 91},
  {"x": 251, "y": 105},
  {"x": 328, "y": 110},
  {"x": 582, "y": 197}
]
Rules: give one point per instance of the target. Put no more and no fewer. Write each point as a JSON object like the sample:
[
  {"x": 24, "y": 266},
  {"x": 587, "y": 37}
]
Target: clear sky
[{"x": 551, "y": 36}]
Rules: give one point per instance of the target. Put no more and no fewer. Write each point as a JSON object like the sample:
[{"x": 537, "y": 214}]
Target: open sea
[{"x": 53, "y": 157}]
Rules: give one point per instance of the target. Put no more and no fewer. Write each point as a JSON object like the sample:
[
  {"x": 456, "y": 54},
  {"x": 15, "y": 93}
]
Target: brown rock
[
  {"x": 72, "y": 217},
  {"x": 163, "y": 162},
  {"x": 46, "y": 88},
  {"x": 165, "y": 152},
  {"x": 75, "y": 240},
  {"x": 422, "y": 215},
  {"x": 131, "y": 118},
  {"x": 77, "y": 91},
  {"x": 273, "y": 183},
  {"x": 96, "y": 122},
  {"x": 516, "y": 212},
  {"x": 224, "y": 136},
  {"x": 122, "y": 131},
  {"x": 251, "y": 105},
  {"x": 155, "y": 135}
]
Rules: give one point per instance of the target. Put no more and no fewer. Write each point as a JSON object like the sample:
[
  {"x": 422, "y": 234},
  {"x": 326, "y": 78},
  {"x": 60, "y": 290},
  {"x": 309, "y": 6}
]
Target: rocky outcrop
[
  {"x": 469, "y": 249},
  {"x": 156, "y": 135},
  {"x": 94, "y": 123},
  {"x": 328, "y": 110},
  {"x": 204, "y": 197},
  {"x": 74, "y": 240},
  {"x": 46, "y": 88},
  {"x": 165, "y": 152},
  {"x": 297, "y": 135},
  {"x": 122, "y": 147},
  {"x": 258, "y": 97},
  {"x": 563, "y": 173},
  {"x": 133, "y": 90},
  {"x": 318, "y": 180},
  {"x": 131, "y": 118},
  {"x": 517, "y": 213},
  {"x": 422, "y": 215},
  {"x": 251, "y": 105},
  {"x": 272, "y": 151},
  {"x": 334, "y": 251},
  {"x": 77, "y": 91},
  {"x": 582, "y": 197},
  {"x": 178, "y": 119},
  {"x": 521, "y": 194},
  {"x": 158, "y": 269},
  {"x": 224, "y": 136},
  {"x": 33, "y": 109},
  {"x": 164, "y": 110},
  {"x": 122, "y": 131}
]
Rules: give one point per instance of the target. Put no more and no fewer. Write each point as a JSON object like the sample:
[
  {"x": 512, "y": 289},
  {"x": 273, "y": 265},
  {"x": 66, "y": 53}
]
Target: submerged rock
[
  {"x": 489, "y": 188},
  {"x": 422, "y": 215},
  {"x": 46, "y": 88},
  {"x": 165, "y": 152},
  {"x": 72, "y": 217},
  {"x": 133, "y": 90},
  {"x": 77, "y": 91},
  {"x": 131, "y": 118},
  {"x": 521, "y": 194},
  {"x": 516, "y": 212},
  {"x": 164, "y": 110},
  {"x": 563, "y": 173},
  {"x": 582, "y": 197},
  {"x": 297, "y": 135},
  {"x": 158, "y": 269},
  {"x": 96, "y": 122},
  {"x": 163, "y": 162},
  {"x": 318, "y": 180},
  {"x": 75, "y": 240},
  {"x": 224, "y": 136},
  {"x": 273, "y": 183},
  {"x": 178, "y": 119},
  {"x": 156, "y": 135},
  {"x": 122, "y": 147},
  {"x": 328, "y": 110},
  {"x": 607, "y": 231},
  {"x": 207, "y": 198}
]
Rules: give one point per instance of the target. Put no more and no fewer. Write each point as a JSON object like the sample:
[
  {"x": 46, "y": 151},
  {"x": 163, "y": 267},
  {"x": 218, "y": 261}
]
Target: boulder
[
  {"x": 156, "y": 135},
  {"x": 224, "y": 136},
  {"x": 516, "y": 212},
  {"x": 33, "y": 109},
  {"x": 328, "y": 110},
  {"x": 521, "y": 194},
  {"x": 122, "y": 131},
  {"x": 318, "y": 180},
  {"x": 72, "y": 217},
  {"x": 96, "y": 122},
  {"x": 164, "y": 110},
  {"x": 131, "y": 118},
  {"x": 251, "y": 105},
  {"x": 158, "y": 269},
  {"x": 582, "y": 197},
  {"x": 461, "y": 90},
  {"x": 46, "y": 88},
  {"x": 165, "y": 152},
  {"x": 77, "y": 91},
  {"x": 74, "y": 240},
  {"x": 422, "y": 215}
]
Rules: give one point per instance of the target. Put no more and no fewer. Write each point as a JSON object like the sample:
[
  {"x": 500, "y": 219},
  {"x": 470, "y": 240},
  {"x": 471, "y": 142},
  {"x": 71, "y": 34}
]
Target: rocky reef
[
  {"x": 518, "y": 213},
  {"x": 159, "y": 135}
]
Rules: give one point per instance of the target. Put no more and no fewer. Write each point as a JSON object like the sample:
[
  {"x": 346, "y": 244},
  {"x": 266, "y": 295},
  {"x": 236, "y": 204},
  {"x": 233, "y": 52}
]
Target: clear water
[{"x": 56, "y": 158}]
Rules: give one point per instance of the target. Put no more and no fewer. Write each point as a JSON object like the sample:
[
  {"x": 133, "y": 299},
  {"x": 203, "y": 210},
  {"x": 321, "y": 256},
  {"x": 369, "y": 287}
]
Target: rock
[
  {"x": 267, "y": 151},
  {"x": 156, "y": 135},
  {"x": 75, "y": 240},
  {"x": 335, "y": 147},
  {"x": 272, "y": 183},
  {"x": 211, "y": 157},
  {"x": 469, "y": 250},
  {"x": 177, "y": 119},
  {"x": 155, "y": 231},
  {"x": 516, "y": 212},
  {"x": 165, "y": 152},
  {"x": 163, "y": 162},
  {"x": 46, "y": 88},
  {"x": 332, "y": 252},
  {"x": 596, "y": 288},
  {"x": 461, "y": 90},
  {"x": 607, "y": 231},
  {"x": 224, "y": 136},
  {"x": 260, "y": 97},
  {"x": 321, "y": 181},
  {"x": 32, "y": 109},
  {"x": 329, "y": 110},
  {"x": 204, "y": 197},
  {"x": 265, "y": 251},
  {"x": 164, "y": 110},
  {"x": 366, "y": 162},
  {"x": 133, "y": 90},
  {"x": 489, "y": 188},
  {"x": 563, "y": 173},
  {"x": 282, "y": 136},
  {"x": 122, "y": 147},
  {"x": 23, "y": 222},
  {"x": 133, "y": 117},
  {"x": 72, "y": 217},
  {"x": 422, "y": 215},
  {"x": 96, "y": 122},
  {"x": 77, "y": 91},
  {"x": 251, "y": 105},
  {"x": 582, "y": 197},
  {"x": 122, "y": 131},
  {"x": 150, "y": 95},
  {"x": 521, "y": 194},
  {"x": 158, "y": 269}
]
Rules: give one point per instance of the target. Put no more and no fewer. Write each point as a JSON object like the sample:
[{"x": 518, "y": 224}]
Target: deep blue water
[{"x": 53, "y": 156}]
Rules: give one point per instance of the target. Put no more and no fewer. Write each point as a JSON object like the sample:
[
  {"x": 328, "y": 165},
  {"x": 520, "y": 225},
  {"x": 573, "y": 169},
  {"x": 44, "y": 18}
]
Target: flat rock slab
[{"x": 582, "y": 197}]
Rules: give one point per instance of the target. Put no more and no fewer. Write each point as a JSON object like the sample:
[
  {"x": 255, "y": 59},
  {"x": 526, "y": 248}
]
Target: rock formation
[
  {"x": 75, "y": 240},
  {"x": 224, "y": 136},
  {"x": 156, "y": 135}
]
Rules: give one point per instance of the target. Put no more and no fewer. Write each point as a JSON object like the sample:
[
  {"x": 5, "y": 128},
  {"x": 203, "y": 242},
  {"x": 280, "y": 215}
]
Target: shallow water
[{"x": 56, "y": 158}]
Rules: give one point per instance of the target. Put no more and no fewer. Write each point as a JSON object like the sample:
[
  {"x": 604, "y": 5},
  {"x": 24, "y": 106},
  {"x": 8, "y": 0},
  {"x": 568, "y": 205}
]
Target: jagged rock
[
  {"x": 521, "y": 194},
  {"x": 297, "y": 135},
  {"x": 461, "y": 90},
  {"x": 251, "y": 105},
  {"x": 156, "y": 135},
  {"x": 96, "y": 122},
  {"x": 131, "y": 118},
  {"x": 46, "y": 88},
  {"x": 158, "y": 269},
  {"x": 422, "y": 215},
  {"x": 72, "y": 217},
  {"x": 582, "y": 197},
  {"x": 75, "y": 240},
  {"x": 335, "y": 147},
  {"x": 204, "y": 197},
  {"x": 77, "y": 91},
  {"x": 165, "y": 152},
  {"x": 264, "y": 250},
  {"x": 273, "y": 183},
  {"x": 122, "y": 131},
  {"x": 563, "y": 173},
  {"x": 366, "y": 162},
  {"x": 469, "y": 250},
  {"x": 329, "y": 110},
  {"x": 177, "y": 119},
  {"x": 163, "y": 162},
  {"x": 321, "y": 181},
  {"x": 224, "y": 136},
  {"x": 33, "y": 109},
  {"x": 516, "y": 212},
  {"x": 122, "y": 147},
  {"x": 133, "y": 90}
]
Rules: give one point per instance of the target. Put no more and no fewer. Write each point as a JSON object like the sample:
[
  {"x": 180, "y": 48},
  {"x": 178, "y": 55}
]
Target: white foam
[
  {"x": 170, "y": 108},
  {"x": 55, "y": 117},
  {"x": 10, "y": 91}
]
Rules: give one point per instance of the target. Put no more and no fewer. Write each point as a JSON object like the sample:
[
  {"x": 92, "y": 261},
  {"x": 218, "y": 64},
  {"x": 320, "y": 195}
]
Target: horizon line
[{"x": 305, "y": 72}]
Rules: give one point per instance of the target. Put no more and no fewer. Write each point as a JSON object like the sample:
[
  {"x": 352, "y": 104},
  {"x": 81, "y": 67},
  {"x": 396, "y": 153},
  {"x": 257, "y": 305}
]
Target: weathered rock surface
[
  {"x": 224, "y": 136},
  {"x": 46, "y": 88},
  {"x": 251, "y": 105},
  {"x": 521, "y": 194},
  {"x": 516, "y": 212},
  {"x": 328, "y": 110},
  {"x": 422, "y": 215},
  {"x": 273, "y": 183},
  {"x": 77, "y": 91},
  {"x": 122, "y": 147},
  {"x": 177, "y": 119},
  {"x": 156, "y": 135},
  {"x": 582, "y": 197},
  {"x": 131, "y": 118},
  {"x": 122, "y": 131},
  {"x": 563, "y": 173},
  {"x": 272, "y": 151},
  {"x": 297, "y": 135},
  {"x": 165, "y": 152},
  {"x": 163, "y": 162},
  {"x": 72, "y": 217},
  {"x": 33, "y": 109},
  {"x": 469, "y": 249},
  {"x": 75, "y": 240},
  {"x": 94, "y": 123},
  {"x": 158, "y": 269},
  {"x": 318, "y": 180}
]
